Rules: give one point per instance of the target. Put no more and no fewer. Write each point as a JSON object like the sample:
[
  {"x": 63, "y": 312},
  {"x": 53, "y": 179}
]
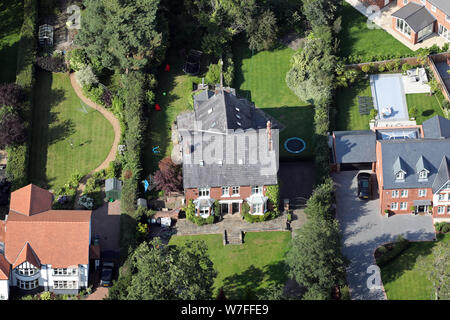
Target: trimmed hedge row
[
  {"x": 18, "y": 156},
  {"x": 400, "y": 245}
]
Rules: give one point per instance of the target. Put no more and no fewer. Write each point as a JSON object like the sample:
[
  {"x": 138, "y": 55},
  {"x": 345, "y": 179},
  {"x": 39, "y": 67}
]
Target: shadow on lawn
[
  {"x": 247, "y": 285},
  {"x": 8, "y": 63},
  {"x": 43, "y": 133}
]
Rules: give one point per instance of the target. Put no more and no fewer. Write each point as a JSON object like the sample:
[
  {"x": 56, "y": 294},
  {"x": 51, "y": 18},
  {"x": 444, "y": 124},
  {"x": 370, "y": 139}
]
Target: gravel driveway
[{"x": 363, "y": 230}]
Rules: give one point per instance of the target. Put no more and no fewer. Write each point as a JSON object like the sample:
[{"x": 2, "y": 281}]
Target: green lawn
[
  {"x": 177, "y": 86},
  {"x": 260, "y": 77},
  {"x": 401, "y": 278},
  {"x": 59, "y": 120},
  {"x": 11, "y": 18},
  {"x": 253, "y": 265},
  {"x": 356, "y": 38},
  {"x": 348, "y": 116},
  {"x": 427, "y": 106}
]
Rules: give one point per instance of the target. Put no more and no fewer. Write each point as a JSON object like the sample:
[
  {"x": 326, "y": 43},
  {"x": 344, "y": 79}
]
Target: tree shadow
[
  {"x": 44, "y": 133},
  {"x": 427, "y": 113},
  {"x": 8, "y": 62}
]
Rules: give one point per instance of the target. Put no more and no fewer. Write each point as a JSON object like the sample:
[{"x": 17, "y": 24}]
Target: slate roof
[
  {"x": 443, "y": 174},
  {"x": 410, "y": 151},
  {"x": 415, "y": 15},
  {"x": 355, "y": 146},
  {"x": 436, "y": 127},
  {"x": 222, "y": 114},
  {"x": 443, "y": 5}
]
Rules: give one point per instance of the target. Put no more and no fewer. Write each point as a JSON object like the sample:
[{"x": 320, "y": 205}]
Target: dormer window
[
  {"x": 238, "y": 116},
  {"x": 237, "y": 109},
  {"x": 400, "y": 175},
  {"x": 238, "y": 123},
  {"x": 423, "y": 175}
]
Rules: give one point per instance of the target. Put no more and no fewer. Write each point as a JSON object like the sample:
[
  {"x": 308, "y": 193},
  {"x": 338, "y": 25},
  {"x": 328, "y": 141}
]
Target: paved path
[
  {"x": 364, "y": 229},
  {"x": 115, "y": 124},
  {"x": 185, "y": 227}
]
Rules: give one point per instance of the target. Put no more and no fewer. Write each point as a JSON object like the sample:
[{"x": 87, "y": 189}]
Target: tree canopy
[
  {"x": 129, "y": 34},
  {"x": 160, "y": 272}
]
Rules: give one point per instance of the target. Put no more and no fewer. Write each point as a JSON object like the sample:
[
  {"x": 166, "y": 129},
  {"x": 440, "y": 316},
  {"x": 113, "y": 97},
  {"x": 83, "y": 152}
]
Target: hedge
[
  {"x": 18, "y": 156},
  {"x": 400, "y": 245}
]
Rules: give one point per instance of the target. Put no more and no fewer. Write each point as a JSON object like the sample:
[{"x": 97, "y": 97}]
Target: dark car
[
  {"x": 107, "y": 274},
  {"x": 364, "y": 186}
]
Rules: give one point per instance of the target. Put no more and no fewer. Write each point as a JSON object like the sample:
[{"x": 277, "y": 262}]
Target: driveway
[
  {"x": 106, "y": 224},
  {"x": 363, "y": 229}
]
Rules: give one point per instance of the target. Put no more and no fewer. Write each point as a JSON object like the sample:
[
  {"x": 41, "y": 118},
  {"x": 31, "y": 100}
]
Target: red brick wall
[
  {"x": 216, "y": 193},
  {"x": 439, "y": 15},
  {"x": 413, "y": 194}
]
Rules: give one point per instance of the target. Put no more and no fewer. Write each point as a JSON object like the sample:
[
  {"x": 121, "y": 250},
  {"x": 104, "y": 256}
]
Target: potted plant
[
  {"x": 386, "y": 213},
  {"x": 413, "y": 210}
]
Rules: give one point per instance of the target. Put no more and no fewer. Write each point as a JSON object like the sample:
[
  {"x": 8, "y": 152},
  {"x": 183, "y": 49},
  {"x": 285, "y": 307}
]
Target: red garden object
[{"x": 157, "y": 107}]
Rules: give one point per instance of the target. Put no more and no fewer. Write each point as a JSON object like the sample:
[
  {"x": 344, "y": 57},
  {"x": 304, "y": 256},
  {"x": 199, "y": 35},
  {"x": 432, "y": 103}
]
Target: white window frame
[
  {"x": 26, "y": 271},
  {"x": 225, "y": 191},
  {"x": 233, "y": 192},
  {"x": 405, "y": 2},
  {"x": 403, "y": 205},
  {"x": 422, "y": 192},
  {"x": 448, "y": 209},
  {"x": 257, "y": 208},
  {"x": 203, "y": 211},
  {"x": 257, "y": 190},
  {"x": 203, "y": 192},
  {"x": 433, "y": 8},
  {"x": 403, "y": 27},
  {"x": 65, "y": 272},
  {"x": 65, "y": 284},
  {"x": 394, "y": 206},
  {"x": 423, "y": 174},
  {"x": 441, "y": 197},
  {"x": 447, "y": 18},
  {"x": 404, "y": 194},
  {"x": 28, "y": 285},
  {"x": 395, "y": 194},
  {"x": 441, "y": 210}
]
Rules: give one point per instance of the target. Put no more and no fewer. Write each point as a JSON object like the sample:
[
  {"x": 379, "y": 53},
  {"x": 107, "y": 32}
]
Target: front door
[
  {"x": 224, "y": 209},
  {"x": 234, "y": 207},
  {"x": 421, "y": 209}
]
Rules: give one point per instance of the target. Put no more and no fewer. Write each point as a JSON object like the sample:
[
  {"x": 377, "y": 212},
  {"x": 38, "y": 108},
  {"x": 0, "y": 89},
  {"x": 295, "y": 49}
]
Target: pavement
[{"x": 364, "y": 229}]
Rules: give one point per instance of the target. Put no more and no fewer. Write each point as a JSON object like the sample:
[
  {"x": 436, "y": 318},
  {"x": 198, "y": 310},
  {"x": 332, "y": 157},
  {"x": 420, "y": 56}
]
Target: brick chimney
[{"x": 269, "y": 135}]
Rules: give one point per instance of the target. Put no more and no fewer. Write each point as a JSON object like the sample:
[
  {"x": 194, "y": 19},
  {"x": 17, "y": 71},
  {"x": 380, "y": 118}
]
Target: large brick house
[
  {"x": 229, "y": 153},
  {"x": 412, "y": 165},
  {"x": 417, "y": 20},
  {"x": 41, "y": 248}
]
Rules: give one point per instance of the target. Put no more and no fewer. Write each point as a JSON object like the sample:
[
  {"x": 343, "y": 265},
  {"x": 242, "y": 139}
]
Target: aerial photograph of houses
[{"x": 235, "y": 151}]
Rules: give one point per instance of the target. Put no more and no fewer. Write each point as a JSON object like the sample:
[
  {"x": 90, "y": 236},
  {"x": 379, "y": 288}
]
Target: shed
[
  {"x": 142, "y": 203},
  {"x": 113, "y": 188},
  {"x": 46, "y": 35}
]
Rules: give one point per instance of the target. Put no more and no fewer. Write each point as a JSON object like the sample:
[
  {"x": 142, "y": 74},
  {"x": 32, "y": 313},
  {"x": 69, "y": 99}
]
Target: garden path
[{"x": 116, "y": 126}]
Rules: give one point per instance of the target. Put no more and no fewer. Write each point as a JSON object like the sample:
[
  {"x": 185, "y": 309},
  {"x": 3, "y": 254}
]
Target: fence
[{"x": 439, "y": 58}]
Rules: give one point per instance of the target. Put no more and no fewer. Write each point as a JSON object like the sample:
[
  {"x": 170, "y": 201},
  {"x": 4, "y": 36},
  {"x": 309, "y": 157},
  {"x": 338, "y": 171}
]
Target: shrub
[
  {"x": 51, "y": 64},
  {"x": 413, "y": 111},
  {"x": 11, "y": 94},
  {"x": 94, "y": 93},
  {"x": 45, "y": 295},
  {"x": 12, "y": 128},
  {"x": 168, "y": 178},
  {"x": 77, "y": 59},
  {"x": 406, "y": 67},
  {"x": 400, "y": 245},
  {"x": 86, "y": 202},
  {"x": 446, "y": 104},
  {"x": 381, "y": 67},
  {"x": 443, "y": 227},
  {"x": 382, "y": 250},
  {"x": 213, "y": 74},
  {"x": 373, "y": 113},
  {"x": 365, "y": 68},
  {"x": 85, "y": 77}
]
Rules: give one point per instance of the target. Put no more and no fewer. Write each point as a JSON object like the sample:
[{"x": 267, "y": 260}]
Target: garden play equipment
[
  {"x": 113, "y": 188},
  {"x": 294, "y": 145},
  {"x": 157, "y": 107},
  {"x": 155, "y": 150},
  {"x": 192, "y": 63},
  {"x": 167, "y": 68}
]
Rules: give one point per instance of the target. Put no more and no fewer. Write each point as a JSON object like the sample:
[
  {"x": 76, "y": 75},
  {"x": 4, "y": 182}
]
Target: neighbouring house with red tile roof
[{"x": 41, "y": 248}]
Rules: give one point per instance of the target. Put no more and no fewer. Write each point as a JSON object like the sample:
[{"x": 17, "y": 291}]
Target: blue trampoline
[{"x": 295, "y": 145}]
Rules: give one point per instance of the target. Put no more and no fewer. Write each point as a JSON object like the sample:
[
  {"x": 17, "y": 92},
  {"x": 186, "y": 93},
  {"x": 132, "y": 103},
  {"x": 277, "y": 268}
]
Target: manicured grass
[
  {"x": 427, "y": 106},
  {"x": 11, "y": 18},
  {"x": 348, "y": 116},
  {"x": 402, "y": 279},
  {"x": 258, "y": 262},
  {"x": 260, "y": 77},
  {"x": 177, "y": 86},
  {"x": 59, "y": 121},
  {"x": 356, "y": 38}
]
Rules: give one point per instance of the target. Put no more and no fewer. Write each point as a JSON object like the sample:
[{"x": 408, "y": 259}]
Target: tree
[
  {"x": 128, "y": 34},
  {"x": 320, "y": 12},
  {"x": 262, "y": 33},
  {"x": 437, "y": 269},
  {"x": 12, "y": 129},
  {"x": 11, "y": 94},
  {"x": 169, "y": 177},
  {"x": 315, "y": 260},
  {"x": 171, "y": 272},
  {"x": 86, "y": 77},
  {"x": 213, "y": 74}
]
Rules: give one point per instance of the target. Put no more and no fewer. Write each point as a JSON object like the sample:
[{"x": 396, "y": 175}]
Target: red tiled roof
[
  {"x": 26, "y": 254},
  {"x": 35, "y": 231},
  {"x": 59, "y": 238},
  {"x": 2, "y": 230},
  {"x": 4, "y": 268},
  {"x": 30, "y": 200}
]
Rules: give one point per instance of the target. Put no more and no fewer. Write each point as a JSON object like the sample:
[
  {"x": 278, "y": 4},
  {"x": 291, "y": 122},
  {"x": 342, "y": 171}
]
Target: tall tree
[
  {"x": 12, "y": 129},
  {"x": 163, "y": 272},
  {"x": 315, "y": 260},
  {"x": 129, "y": 34},
  {"x": 437, "y": 269},
  {"x": 320, "y": 12}
]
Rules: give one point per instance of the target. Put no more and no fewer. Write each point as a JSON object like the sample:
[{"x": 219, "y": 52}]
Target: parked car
[
  {"x": 107, "y": 274},
  {"x": 364, "y": 186}
]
